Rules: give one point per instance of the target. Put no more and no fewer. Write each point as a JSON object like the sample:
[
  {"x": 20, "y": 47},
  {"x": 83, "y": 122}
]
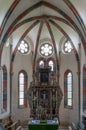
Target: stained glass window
[
  {"x": 46, "y": 49},
  {"x": 23, "y": 47},
  {"x": 22, "y": 88},
  {"x": 67, "y": 47},
  {"x": 68, "y": 92}
]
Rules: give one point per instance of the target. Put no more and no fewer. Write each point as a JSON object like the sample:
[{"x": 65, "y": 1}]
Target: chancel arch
[{"x": 43, "y": 48}]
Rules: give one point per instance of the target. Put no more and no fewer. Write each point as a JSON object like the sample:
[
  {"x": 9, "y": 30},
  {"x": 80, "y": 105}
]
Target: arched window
[
  {"x": 84, "y": 87},
  {"x": 4, "y": 89},
  {"x": 22, "y": 99},
  {"x": 51, "y": 64},
  {"x": 41, "y": 63},
  {"x": 68, "y": 92}
]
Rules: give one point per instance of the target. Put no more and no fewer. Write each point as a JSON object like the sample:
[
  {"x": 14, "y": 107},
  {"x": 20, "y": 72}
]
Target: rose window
[
  {"x": 23, "y": 47},
  {"x": 67, "y": 47},
  {"x": 46, "y": 49}
]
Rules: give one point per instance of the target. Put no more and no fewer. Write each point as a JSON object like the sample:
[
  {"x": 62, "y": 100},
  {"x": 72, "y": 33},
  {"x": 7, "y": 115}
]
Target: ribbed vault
[{"x": 43, "y": 20}]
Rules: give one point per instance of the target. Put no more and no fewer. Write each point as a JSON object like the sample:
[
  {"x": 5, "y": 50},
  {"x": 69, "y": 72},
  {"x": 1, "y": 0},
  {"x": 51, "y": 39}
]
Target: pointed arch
[
  {"x": 22, "y": 88},
  {"x": 51, "y": 63},
  {"x": 68, "y": 89}
]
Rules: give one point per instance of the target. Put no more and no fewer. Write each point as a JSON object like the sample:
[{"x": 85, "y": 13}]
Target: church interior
[{"x": 43, "y": 63}]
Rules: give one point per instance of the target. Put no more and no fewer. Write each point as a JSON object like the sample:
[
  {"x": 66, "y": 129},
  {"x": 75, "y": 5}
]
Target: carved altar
[{"x": 44, "y": 95}]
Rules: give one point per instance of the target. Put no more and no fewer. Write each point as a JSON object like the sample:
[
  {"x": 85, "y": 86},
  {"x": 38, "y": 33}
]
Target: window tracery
[
  {"x": 46, "y": 49},
  {"x": 67, "y": 47},
  {"x": 23, "y": 47}
]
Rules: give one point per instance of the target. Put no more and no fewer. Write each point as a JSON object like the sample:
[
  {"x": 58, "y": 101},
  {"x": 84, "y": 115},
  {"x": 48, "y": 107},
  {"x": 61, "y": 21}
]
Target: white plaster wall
[
  {"x": 69, "y": 115},
  {"x": 21, "y": 62}
]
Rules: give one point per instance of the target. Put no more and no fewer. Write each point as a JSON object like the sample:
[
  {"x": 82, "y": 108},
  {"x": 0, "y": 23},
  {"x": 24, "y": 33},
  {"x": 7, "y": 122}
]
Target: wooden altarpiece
[{"x": 44, "y": 95}]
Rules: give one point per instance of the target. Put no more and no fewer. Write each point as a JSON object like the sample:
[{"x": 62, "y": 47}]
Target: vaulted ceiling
[{"x": 43, "y": 20}]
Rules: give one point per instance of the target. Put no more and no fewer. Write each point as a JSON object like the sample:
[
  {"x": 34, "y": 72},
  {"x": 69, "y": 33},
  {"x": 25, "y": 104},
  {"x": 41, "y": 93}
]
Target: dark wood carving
[{"x": 44, "y": 96}]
